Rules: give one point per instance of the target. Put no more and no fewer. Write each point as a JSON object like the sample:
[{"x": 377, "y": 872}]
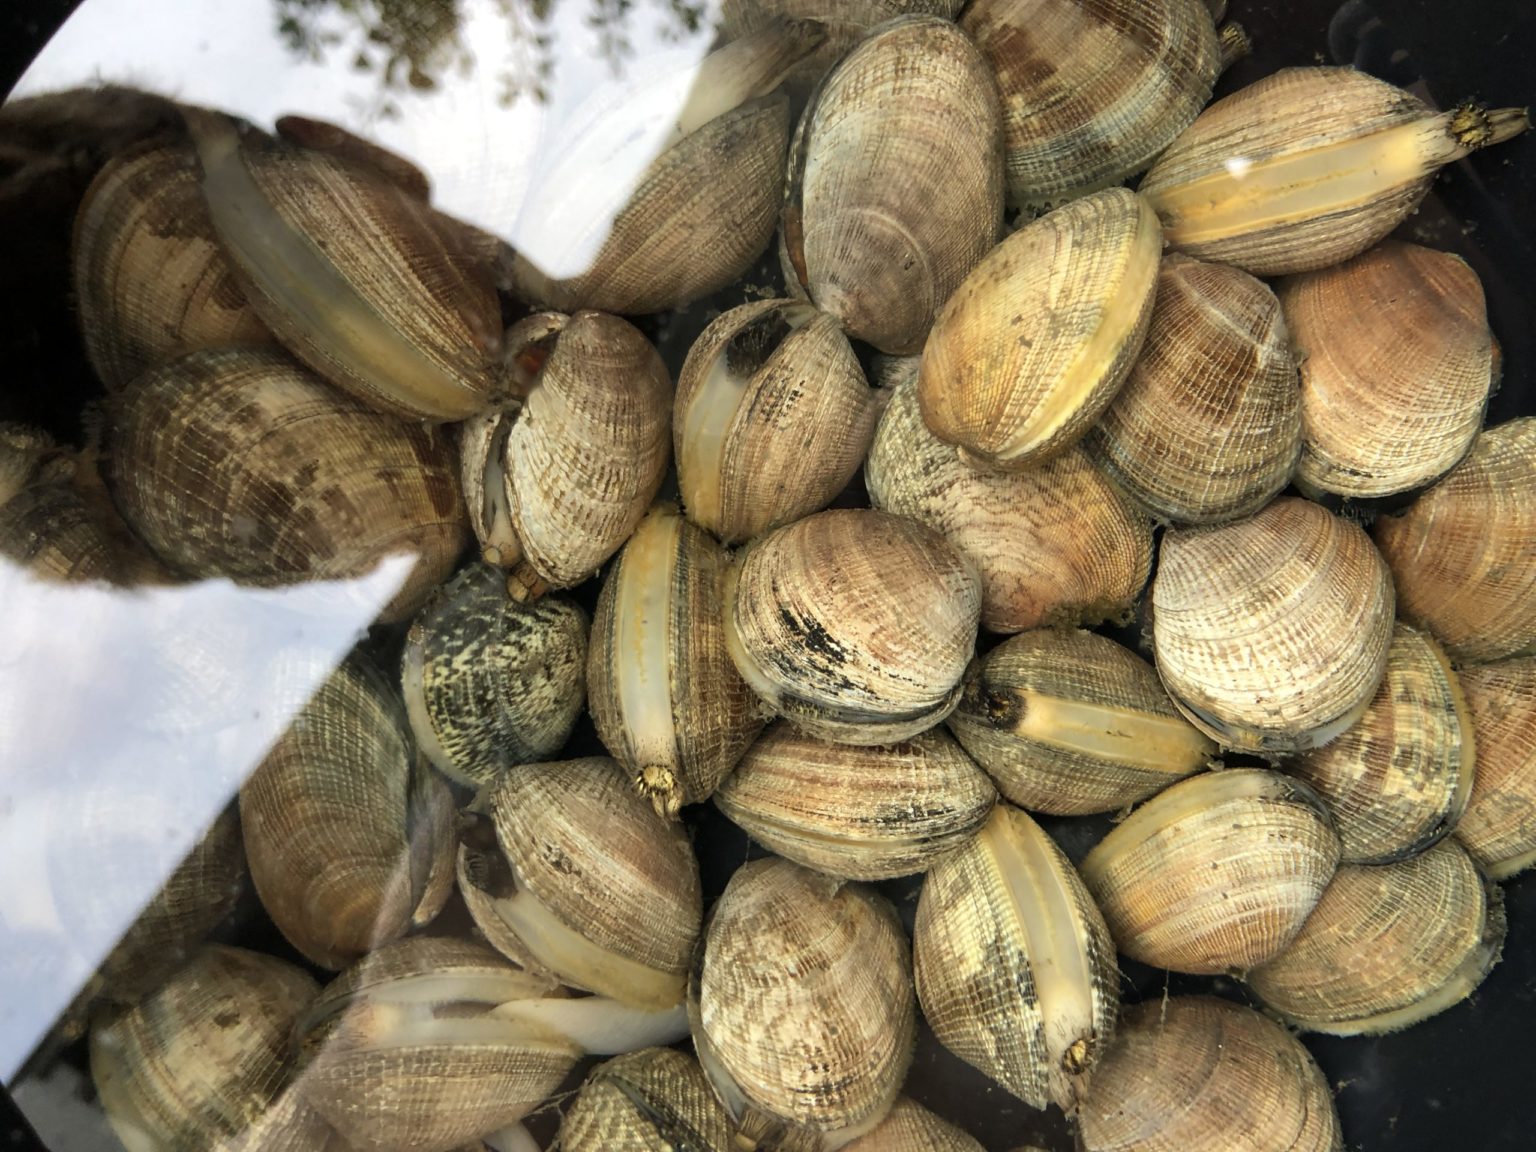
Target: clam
[
  {"x": 655, "y": 1100},
  {"x": 559, "y": 485},
  {"x": 567, "y": 870},
  {"x": 1069, "y": 723},
  {"x": 490, "y": 681},
  {"x": 1272, "y": 633},
  {"x": 895, "y": 186},
  {"x": 340, "y": 822},
  {"x": 1033, "y": 346},
  {"x": 1015, "y": 968},
  {"x": 772, "y": 419},
  {"x": 1197, "y": 1074},
  {"x": 864, "y": 813},
  {"x": 240, "y": 463},
  {"x": 1056, "y": 544},
  {"x": 1398, "y": 780},
  {"x": 1308, "y": 167},
  {"x": 855, "y": 625},
  {"x": 1215, "y": 874},
  {"x": 324, "y": 136},
  {"x": 1462, "y": 555},
  {"x": 801, "y": 1007},
  {"x": 1396, "y": 365},
  {"x": 1208, "y": 426},
  {"x": 666, "y": 700},
  {"x": 1499, "y": 825},
  {"x": 909, "y": 1127},
  {"x": 1388, "y": 945}
]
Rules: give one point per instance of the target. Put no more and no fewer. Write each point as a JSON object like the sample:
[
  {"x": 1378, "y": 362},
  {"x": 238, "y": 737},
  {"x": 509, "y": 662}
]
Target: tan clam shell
[
  {"x": 52, "y": 532},
  {"x": 1056, "y": 544},
  {"x": 912, "y": 1128},
  {"x": 1461, "y": 554},
  {"x": 1197, "y": 1074},
  {"x": 1499, "y": 825},
  {"x": 1068, "y": 722},
  {"x": 1388, "y": 946},
  {"x": 337, "y": 821},
  {"x": 772, "y": 418},
  {"x": 240, "y": 463},
  {"x": 1398, "y": 780},
  {"x": 1033, "y": 346},
  {"x": 667, "y": 702},
  {"x": 656, "y": 1100},
  {"x": 864, "y": 813},
  {"x": 1092, "y": 93},
  {"x": 150, "y": 279},
  {"x": 1196, "y": 879},
  {"x": 802, "y": 1006},
  {"x": 1015, "y": 967},
  {"x": 855, "y": 625},
  {"x": 1396, "y": 364},
  {"x": 1328, "y": 161},
  {"x": 1208, "y": 425},
  {"x": 895, "y": 186},
  {"x": 1272, "y": 633}
]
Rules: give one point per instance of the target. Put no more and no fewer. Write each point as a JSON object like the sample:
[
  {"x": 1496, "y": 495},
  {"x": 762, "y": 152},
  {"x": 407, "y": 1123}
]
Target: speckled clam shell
[
  {"x": 489, "y": 681},
  {"x": 863, "y": 813},
  {"x": 1271, "y": 633},
  {"x": 1398, "y": 780},
  {"x": 56, "y": 535},
  {"x": 802, "y": 1006},
  {"x": 773, "y": 417},
  {"x": 1499, "y": 825},
  {"x": 1092, "y": 92},
  {"x": 895, "y": 186},
  {"x": 667, "y": 702},
  {"x": 855, "y": 625},
  {"x": 1069, "y": 723},
  {"x": 1197, "y": 1074},
  {"x": 240, "y": 463},
  {"x": 1208, "y": 425},
  {"x": 1033, "y": 346},
  {"x": 1193, "y": 881},
  {"x": 1461, "y": 554},
  {"x": 1396, "y": 364},
  {"x": 1331, "y": 160},
  {"x": 1057, "y": 544},
  {"x": 1015, "y": 968},
  {"x": 657, "y": 1100},
  {"x": 912, "y": 1128},
  {"x": 1388, "y": 946}
]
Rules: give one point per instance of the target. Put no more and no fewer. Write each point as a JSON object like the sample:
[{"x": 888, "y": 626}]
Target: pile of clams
[{"x": 730, "y": 720}]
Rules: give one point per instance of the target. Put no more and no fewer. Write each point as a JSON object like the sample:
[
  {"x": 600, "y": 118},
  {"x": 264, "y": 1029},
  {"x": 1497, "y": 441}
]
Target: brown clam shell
[
  {"x": 656, "y": 1100},
  {"x": 1499, "y": 825},
  {"x": 912, "y": 1128}
]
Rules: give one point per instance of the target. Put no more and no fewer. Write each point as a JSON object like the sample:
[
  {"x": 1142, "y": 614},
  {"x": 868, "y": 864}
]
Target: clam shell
[
  {"x": 657, "y": 1100},
  {"x": 1033, "y": 346},
  {"x": 912, "y": 1128},
  {"x": 1216, "y": 874},
  {"x": 895, "y": 185},
  {"x": 864, "y": 813},
  {"x": 1388, "y": 946},
  {"x": 1462, "y": 554},
  {"x": 52, "y": 532},
  {"x": 1056, "y": 544},
  {"x": 1272, "y": 633},
  {"x": 1499, "y": 825}
]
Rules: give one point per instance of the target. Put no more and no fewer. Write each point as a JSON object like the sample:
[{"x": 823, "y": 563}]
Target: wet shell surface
[
  {"x": 912, "y": 1128},
  {"x": 1207, "y": 426},
  {"x": 1197, "y": 1074},
  {"x": 1069, "y": 723},
  {"x": 1388, "y": 946},
  {"x": 1015, "y": 968},
  {"x": 1398, "y": 780},
  {"x": 855, "y": 625},
  {"x": 667, "y": 702},
  {"x": 1272, "y": 633},
  {"x": 1216, "y": 874},
  {"x": 1057, "y": 544},
  {"x": 1463, "y": 555},
  {"x": 1499, "y": 825},
  {"x": 490, "y": 682},
  {"x": 772, "y": 419},
  {"x": 1033, "y": 346},
  {"x": 1092, "y": 92},
  {"x": 657, "y": 1100},
  {"x": 864, "y": 813},
  {"x": 895, "y": 186},
  {"x": 240, "y": 463}
]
